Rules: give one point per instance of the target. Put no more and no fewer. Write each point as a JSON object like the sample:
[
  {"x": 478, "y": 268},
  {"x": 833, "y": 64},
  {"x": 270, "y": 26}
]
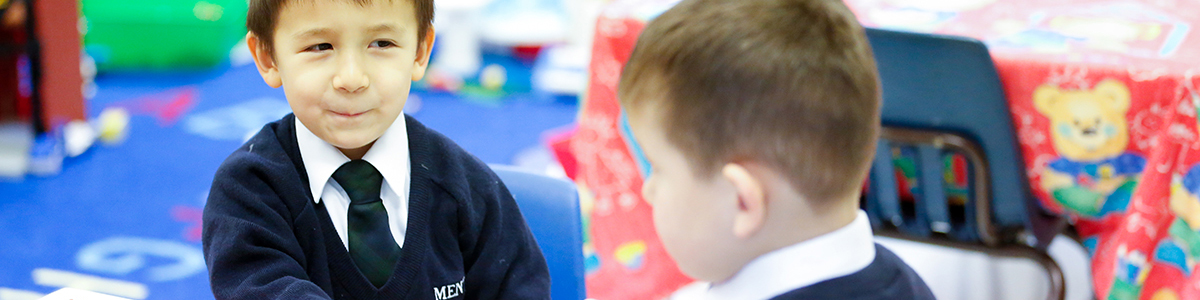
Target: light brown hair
[
  {"x": 791, "y": 84},
  {"x": 263, "y": 15}
]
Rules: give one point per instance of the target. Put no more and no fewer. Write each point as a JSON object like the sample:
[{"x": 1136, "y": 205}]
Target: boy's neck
[
  {"x": 819, "y": 221},
  {"x": 814, "y": 240},
  {"x": 789, "y": 221},
  {"x": 356, "y": 153},
  {"x": 803, "y": 223}
]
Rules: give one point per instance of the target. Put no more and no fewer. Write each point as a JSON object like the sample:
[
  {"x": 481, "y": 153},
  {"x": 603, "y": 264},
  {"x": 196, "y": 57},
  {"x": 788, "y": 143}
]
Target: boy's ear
[
  {"x": 424, "y": 50},
  {"x": 752, "y": 201},
  {"x": 264, "y": 60}
]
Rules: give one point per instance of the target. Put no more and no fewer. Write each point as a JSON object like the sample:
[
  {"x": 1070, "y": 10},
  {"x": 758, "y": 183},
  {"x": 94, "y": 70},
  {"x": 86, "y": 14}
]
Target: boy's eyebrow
[
  {"x": 382, "y": 28},
  {"x": 313, "y": 32},
  {"x": 326, "y": 31}
]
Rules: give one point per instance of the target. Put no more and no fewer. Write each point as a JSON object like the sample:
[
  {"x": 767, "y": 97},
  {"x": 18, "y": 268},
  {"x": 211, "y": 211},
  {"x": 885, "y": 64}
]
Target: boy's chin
[{"x": 352, "y": 143}]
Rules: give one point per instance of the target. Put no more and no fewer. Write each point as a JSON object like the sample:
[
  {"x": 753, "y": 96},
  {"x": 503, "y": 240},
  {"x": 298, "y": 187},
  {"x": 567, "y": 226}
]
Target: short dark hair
[
  {"x": 788, "y": 83},
  {"x": 263, "y": 15}
]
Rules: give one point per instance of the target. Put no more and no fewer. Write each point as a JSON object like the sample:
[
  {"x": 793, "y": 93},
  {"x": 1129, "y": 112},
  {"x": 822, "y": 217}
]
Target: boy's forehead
[
  {"x": 643, "y": 99},
  {"x": 332, "y": 7},
  {"x": 646, "y": 116},
  {"x": 378, "y": 15},
  {"x": 358, "y": 2}
]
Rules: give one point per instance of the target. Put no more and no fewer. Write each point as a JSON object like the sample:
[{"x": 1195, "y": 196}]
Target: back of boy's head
[
  {"x": 790, "y": 84},
  {"x": 263, "y": 15}
]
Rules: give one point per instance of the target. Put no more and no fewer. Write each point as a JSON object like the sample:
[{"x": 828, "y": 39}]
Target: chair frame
[
  {"x": 943, "y": 92},
  {"x": 992, "y": 243}
]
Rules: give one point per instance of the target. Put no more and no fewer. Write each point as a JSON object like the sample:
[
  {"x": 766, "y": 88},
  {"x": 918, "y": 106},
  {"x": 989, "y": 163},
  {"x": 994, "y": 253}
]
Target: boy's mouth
[{"x": 347, "y": 115}]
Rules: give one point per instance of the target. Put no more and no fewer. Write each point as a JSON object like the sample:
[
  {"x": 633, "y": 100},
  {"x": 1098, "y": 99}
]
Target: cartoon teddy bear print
[{"x": 1093, "y": 176}]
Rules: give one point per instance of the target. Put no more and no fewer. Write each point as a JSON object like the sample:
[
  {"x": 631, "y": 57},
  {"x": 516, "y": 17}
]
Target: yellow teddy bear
[{"x": 1093, "y": 175}]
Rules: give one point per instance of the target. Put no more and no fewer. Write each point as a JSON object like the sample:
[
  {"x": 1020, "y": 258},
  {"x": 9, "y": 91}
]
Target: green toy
[{"x": 161, "y": 34}]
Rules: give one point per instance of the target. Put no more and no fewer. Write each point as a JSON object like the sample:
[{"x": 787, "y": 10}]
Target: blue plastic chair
[
  {"x": 942, "y": 93},
  {"x": 551, "y": 208}
]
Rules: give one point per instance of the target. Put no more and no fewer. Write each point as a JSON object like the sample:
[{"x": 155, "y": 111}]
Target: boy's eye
[
  {"x": 382, "y": 44},
  {"x": 319, "y": 47}
]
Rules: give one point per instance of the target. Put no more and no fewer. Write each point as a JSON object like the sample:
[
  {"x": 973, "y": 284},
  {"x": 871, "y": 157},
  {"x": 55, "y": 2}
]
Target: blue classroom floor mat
[{"x": 125, "y": 218}]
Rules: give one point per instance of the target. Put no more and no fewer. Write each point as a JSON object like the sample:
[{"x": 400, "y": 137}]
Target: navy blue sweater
[
  {"x": 265, "y": 238},
  {"x": 886, "y": 278}
]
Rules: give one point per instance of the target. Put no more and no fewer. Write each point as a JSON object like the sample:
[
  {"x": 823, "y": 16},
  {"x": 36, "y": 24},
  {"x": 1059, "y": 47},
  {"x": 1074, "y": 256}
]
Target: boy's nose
[{"x": 350, "y": 77}]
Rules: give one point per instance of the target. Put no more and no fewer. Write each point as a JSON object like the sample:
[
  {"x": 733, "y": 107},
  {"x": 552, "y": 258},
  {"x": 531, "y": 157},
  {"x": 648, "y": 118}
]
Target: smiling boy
[{"x": 346, "y": 199}]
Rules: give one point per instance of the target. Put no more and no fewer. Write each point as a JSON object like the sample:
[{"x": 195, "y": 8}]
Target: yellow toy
[
  {"x": 493, "y": 77},
  {"x": 1093, "y": 176},
  {"x": 113, "y": 125}
]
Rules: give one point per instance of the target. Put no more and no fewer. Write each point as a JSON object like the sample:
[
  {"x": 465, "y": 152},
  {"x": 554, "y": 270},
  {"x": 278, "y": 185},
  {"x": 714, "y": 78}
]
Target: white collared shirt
[
  {"x": 835, "y": 254},
  {"x": 389, "y": 155}
]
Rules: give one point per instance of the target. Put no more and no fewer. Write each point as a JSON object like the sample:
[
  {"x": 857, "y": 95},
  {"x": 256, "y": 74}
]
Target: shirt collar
[
  {"x": 832, "y": 255},
  {"x": 389, "y": 155}
]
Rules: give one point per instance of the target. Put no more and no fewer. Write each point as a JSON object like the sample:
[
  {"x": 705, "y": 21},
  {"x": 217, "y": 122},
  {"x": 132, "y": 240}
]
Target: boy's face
[
  {"x": 346, "y": 68},
  {"x": 690, "y": 213}
]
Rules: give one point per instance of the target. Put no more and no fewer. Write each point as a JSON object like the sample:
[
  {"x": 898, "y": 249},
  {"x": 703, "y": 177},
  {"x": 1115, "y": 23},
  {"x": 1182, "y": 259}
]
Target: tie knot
[{"x": 360, "y": 180}]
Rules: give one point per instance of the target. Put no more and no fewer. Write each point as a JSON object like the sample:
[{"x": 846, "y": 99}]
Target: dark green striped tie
[{"x": 371, "y": 247}]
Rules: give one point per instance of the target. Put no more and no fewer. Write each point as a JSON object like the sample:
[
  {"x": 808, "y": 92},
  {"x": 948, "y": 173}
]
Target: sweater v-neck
[{"x": 412, "y": 255}]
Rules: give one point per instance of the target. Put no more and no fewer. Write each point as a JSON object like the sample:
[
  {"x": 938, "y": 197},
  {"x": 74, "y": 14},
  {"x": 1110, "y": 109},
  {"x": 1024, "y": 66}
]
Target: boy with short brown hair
[
  {"x": 347, "y": 198},
  {"x": 759, "y": 119}
]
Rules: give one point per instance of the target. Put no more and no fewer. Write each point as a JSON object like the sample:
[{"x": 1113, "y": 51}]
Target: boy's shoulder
[
  {"x": 887, "y": 277},
  {"x": 265, "y": 170},
  {"x": 268, "y": 152},
  {"x": 445, "y": 162}
]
